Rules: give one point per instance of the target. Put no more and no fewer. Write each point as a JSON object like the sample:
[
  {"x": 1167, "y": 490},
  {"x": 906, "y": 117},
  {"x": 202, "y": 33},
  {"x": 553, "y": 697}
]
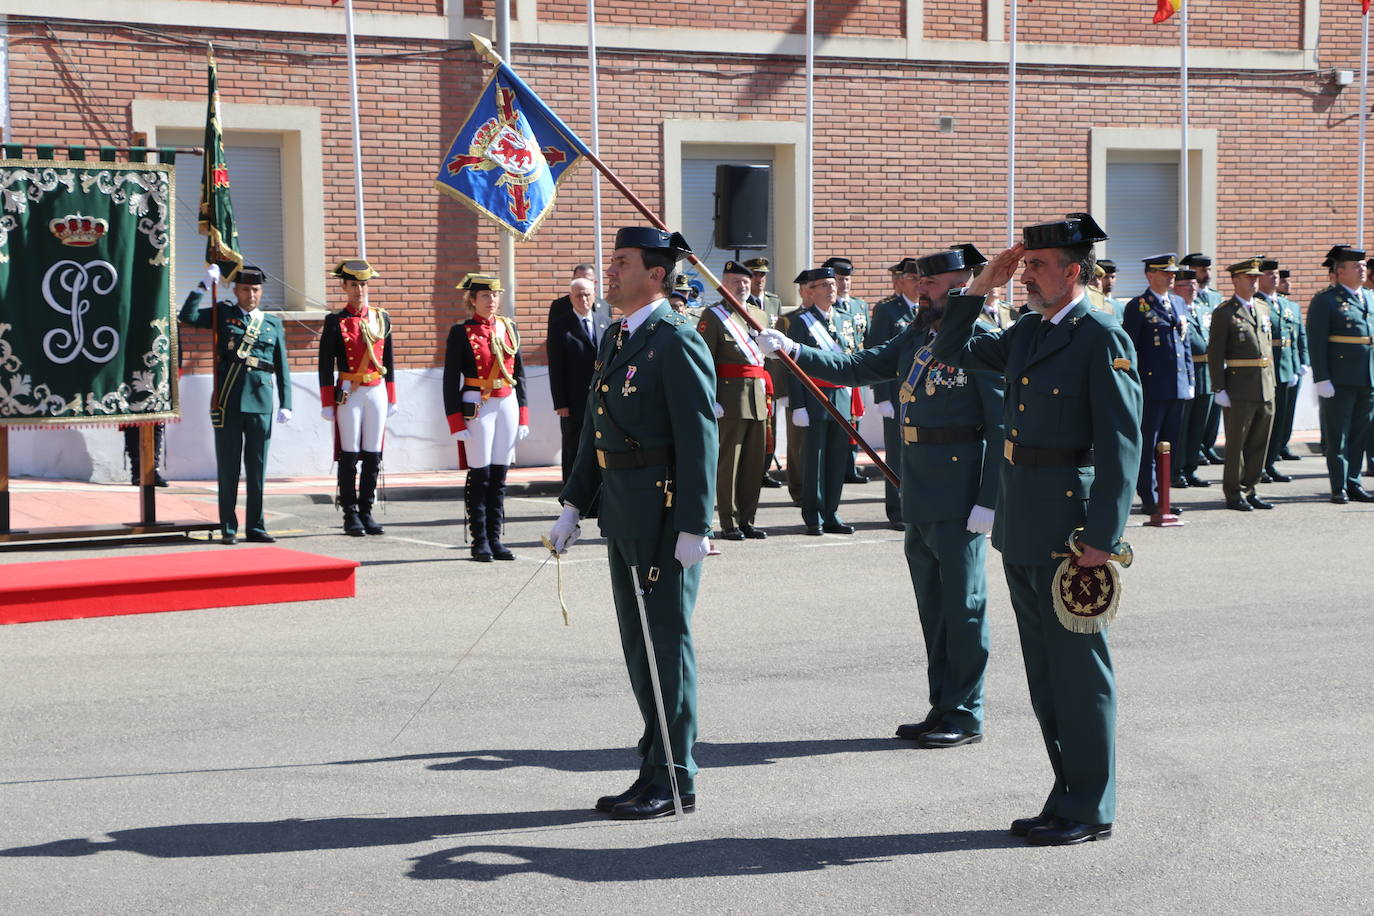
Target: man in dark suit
[
  {"x": 571, "y": 346},
  {"x": 563, "y": 304}
]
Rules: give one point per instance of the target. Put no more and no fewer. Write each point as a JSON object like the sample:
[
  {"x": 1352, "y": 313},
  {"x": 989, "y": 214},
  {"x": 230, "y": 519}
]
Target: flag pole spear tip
[{"x": 485, "y": 49}]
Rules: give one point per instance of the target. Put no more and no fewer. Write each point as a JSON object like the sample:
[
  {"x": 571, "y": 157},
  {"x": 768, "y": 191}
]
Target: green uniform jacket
[
  {"x": 772, "y": 307},
  {"x": 242, "y": 386},
  {"x": 890, "y": 318},
  {"x": 1075, "y": 387},
  {"x": 1199, "y": 326},
  {"x": 1238, "y": 333},
  {"x": 776, "y": 369},
  {"x": 1286, "y": 324},
  {"x": 1209, "y": 297},
  {"x": 741, "y": 398},
  {"x": 1335, "y": 311},
  {"x": 939, "y": 481},
  {"x": 843, "y": 330},
  {"x": 658, "y": 390}
]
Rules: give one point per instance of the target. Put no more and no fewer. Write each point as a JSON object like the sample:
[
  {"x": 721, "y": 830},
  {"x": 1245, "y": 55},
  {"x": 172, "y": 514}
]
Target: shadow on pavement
[{"x": 726, "y": 857}]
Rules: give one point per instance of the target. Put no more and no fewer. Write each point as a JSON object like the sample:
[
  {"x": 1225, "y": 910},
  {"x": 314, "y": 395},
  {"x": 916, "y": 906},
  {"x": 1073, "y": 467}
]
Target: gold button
[
  {"x": 953, "y": 457},
  {"x": 1025, "y": 380},
  {"x": 1056, "y": 391},
  {"x": 1014, "y": 431},
  {"x": 605, "y": 387},
  {"x": 601, "y": 410},
  {"x": 598, "y": 434},
  {"x": 1020, "y": 406},
  {"x": 1068, "y": 492}
]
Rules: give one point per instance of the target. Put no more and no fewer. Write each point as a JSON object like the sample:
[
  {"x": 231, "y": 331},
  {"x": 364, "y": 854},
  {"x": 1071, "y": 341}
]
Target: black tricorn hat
[
  {"x": 249, "y": 275},
  {"x": 1268, "y": 264},
  {"x": 1330, "y": 260},
  {"x": 1107, "y": 264},
  {"x": 1285, "y": 274},
  {"x": 1075, "y": 229},
  {"x": 652, "y": 239},
  {"x": 355, "y": 269},
  {"x": 956, "y": 257},
  {"x": 816, "y": 273},
  {"x": 843, "y": 267},
  {"x": 1195, "y": 259},
  {"x": 1183, "y": 273}
]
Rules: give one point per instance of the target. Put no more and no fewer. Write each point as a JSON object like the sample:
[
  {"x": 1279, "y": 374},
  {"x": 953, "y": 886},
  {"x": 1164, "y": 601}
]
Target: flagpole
[
  {"x": 1011, "y": 147},
  {"x": 1364, "y": 119},
  {"x": 507, "y": 241},
  {"x": 1184, "y": 198},
  {"x": 596, "y": 139},
  {"x": 811, "y": 132},
  {"x": 357, "y": 133}
]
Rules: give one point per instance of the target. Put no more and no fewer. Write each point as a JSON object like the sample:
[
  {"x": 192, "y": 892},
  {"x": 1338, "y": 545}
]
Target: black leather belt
[
  {"x": 942, "y": 435},
  {"x": 256, "y": 362},
  {"x": 1026, "y": 456},
  {"x": 636, "y": 458}
]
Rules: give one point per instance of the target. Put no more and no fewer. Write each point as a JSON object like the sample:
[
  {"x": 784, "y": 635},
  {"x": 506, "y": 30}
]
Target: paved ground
[{"x": 245, "y": 760}]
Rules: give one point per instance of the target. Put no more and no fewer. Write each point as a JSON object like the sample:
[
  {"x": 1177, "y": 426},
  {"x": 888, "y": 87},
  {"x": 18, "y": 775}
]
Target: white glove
[
  {"x": 211, "y": 276},
  {"x": 771, "y": 341},
  {"x": 691, "y": 549},
  {"x": 886, "y": 410},
  {"x": 980, "y": 520},
  {"x": 327, "y": 414},
  {"x": 1192, "y": 393},
  {"x": 800, "y": 419},
  {"x": 1326, "y": 389},
  {"x": 1222, "y": 398},
  {"x": 720, "y": 411},
  {"x": 1294, "y": 383},
  {"x": 463, "y": 435},
  {"x": 391, "y": 410},
  {"x": 284, "y": 415},
  {"x": 566, "y": 530},
  {"x": 521, "y": 432}
]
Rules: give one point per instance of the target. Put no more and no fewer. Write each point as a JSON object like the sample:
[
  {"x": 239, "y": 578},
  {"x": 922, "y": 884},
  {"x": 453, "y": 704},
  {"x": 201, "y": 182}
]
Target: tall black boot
[
  {"x": 496, "y": 512},
  {"x": 475, "y": 499},
  {"x": 131, "y": 448},
  {"x": 348, "y": 493},
  {"x": 367, "y": 492}
]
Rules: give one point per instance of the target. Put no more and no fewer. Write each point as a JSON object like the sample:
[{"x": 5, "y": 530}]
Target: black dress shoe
[
  {"x": 500, "y": 551},
  {"x": 1359, "y": 494},
  {"x": 1213, "y": 456},
  {"x": 813, "y": 530},
  {"x": 1287, "y": 454},
  {"x": 605, "y": 803},
  {"x": 231, "y": 539},
  {"x": 1196, "y": 481},
  {"x": 914, "y": 730},
  {"x": 1276, "y": 476},
  {"x": 855, "y": 478},
  {"x": 948, "y": 736},
  {"x": 837, "y": 528},
  {"x": 769, "y": 483},
  {"x": 653, "y": 801},
  {"x": 481, "y": 554},
  {"x": 1340, "y": 499},
  {"x": 1239, "y": 505},
  {"x": 1180, "y": 483},
  {"x": 1265, "y": 478},
  {"x": 1064, "y": 832},
  {"x": 732, "y": 534},
  {"x": 159, "y": 480},
  {"x": 1024, "y": 825},
  {"x": 260, "y": 537},
  {"x": 752, "y": 533},
  {"x": 1254, "y": 500}
]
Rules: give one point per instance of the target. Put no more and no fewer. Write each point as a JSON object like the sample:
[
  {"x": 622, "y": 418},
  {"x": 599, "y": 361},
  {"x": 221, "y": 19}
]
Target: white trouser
[
  {"x": 362, "y": 418},
  {"x": 493, "y": 430}
]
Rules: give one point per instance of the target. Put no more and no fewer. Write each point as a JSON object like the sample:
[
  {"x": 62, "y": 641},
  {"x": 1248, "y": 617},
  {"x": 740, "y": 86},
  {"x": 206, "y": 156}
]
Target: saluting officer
[
  {"x": 649, "y": 447},
  {"x": 951, "y": 430},
  {"x": 357, "y": 374},
  {"x": 1340, "y": 332},
  {"x": 1238, "y": 359},
  {"x": 1156, "y": 322},
  {"x": 891, "y": 317},
  {"x": 1285, "y": 319},
  {"x": 1196, "y": 409},
  {"x": 1207, "y": 300},
  {"x": 826, "y": 452},
  {"x": 1073, "y": 405},
  {"x": 252, "y": 354},
  {"x": 744, "y": 395}
]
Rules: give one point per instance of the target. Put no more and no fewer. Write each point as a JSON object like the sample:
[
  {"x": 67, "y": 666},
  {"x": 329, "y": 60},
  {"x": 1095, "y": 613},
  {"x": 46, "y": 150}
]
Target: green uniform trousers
[
  {"x": 946, "y": 562},
  {"x": 892, "y": 446},
  {"x": 1247, "y": 440},
  {"x": 1073, "y": 693},
  {"x": 1285, "y": 406},
  {"x": 669, "y": 609},
  {"x": 739, "y": 473},
  {"x": 825, "y": 458},
  {"x": 244, "y": 439},
  {"x": 1345, "y": 419}
]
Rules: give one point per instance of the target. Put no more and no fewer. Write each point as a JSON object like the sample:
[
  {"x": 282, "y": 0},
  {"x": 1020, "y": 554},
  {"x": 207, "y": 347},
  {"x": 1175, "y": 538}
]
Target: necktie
[{"x": 587, "y": 327}]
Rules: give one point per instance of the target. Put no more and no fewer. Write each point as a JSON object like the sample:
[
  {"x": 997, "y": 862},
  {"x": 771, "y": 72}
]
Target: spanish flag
[{"x": 1167, "y": 8}]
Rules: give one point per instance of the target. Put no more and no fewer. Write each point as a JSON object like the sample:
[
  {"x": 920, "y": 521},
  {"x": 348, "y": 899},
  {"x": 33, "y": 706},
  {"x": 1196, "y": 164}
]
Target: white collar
[
  {"x": 634, "y": 321},
  {"x": 1059, "y": 315},
  {"x": 915, "y": 306},
  {"x": 1248, "y": 303}
]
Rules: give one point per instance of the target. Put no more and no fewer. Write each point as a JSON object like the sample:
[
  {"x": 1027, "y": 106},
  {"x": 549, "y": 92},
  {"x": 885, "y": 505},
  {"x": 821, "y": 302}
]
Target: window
[{"x": 1143, "y": 200}]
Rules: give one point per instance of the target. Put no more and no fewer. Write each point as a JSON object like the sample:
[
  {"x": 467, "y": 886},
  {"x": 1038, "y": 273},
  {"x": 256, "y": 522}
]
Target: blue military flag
[{"x": 510, "y": 154}]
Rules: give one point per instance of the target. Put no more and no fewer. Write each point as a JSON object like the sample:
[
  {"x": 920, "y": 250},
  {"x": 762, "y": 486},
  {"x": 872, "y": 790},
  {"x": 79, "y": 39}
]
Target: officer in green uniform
[
  {"x": 252, "y": 355},
  {"x": 1073, "y": 407},
  {"x": 826, "y": 452},
  {"x": 759, "y": 268},
  {"x": 1240, "y": 362},
  {"x": 1197, "y": 408},
  {"x": 1285, "y": 318},
  {"x": 1208, "y": 299},
  {"x": 858, "y": 308},
  {"x": 649, "y": 448},
  {"x": 951, "y": 430},
  {"x": 796, "y": 435},
  {"x": 1286, "y": 452},
  {"x": 891, "y": 317},
  {"x": 1340, "y": 335}
]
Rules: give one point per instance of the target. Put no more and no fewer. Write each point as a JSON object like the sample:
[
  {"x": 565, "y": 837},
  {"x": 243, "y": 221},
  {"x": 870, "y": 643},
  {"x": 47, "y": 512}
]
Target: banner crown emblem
[{"x": 78, "y": 231}]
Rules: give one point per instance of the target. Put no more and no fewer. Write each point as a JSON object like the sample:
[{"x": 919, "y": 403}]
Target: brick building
[{"x": 910, "y": 146}]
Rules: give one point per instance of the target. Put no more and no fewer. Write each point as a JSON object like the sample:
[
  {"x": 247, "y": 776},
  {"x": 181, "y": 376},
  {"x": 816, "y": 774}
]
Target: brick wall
[
  {"x": 1213, "y": 24},
  {"x": 411, "y": 7},
  {"x": 885, "y": 18},
  {"x": 954, "y": 19}
]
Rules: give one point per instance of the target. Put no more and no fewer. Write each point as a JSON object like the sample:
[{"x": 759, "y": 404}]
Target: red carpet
[{"x": 67, "y": 589}]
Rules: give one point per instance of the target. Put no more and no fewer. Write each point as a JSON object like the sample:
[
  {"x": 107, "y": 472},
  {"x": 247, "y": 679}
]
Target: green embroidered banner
[{"x": 86, "y": 314}]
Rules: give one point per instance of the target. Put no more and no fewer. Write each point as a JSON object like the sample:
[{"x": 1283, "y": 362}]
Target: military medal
[{"x": 626, "y": 389}]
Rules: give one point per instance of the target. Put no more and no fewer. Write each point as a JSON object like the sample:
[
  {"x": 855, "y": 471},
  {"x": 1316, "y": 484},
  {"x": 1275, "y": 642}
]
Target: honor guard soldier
[
  {"x": 796, "y": 435},
  {"x": 891, "y": 317},
  {"x": 858, "y": 308},
  {"x": 1207, "y": 300},
  {"x": 744, "y": 401},
  {"x": 357, "y": 392},
  {"x": 1285, "y": 319},
  {"x": 951, "y": 452},
  {"x": 484, "y": 398},
  {"x": 1340, "y": 336},
  {"x": 1156, "y": 321},
  {"x": 649, "y": 447},
  {"x": 1073, "y": 405},
  {"x": 826, "y": 452},
  {"x": 1197, "y": 408},
  {"x": 759, "y": 268},
  {"x": 1286, "y": 452},
  {"x": 252, "y": 355},
  {"x": 1238, "y": 359}
]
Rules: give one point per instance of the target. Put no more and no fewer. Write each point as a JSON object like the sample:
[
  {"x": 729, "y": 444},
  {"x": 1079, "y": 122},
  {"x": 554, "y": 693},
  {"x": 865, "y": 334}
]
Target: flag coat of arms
[{"x": 511, "y": 153}]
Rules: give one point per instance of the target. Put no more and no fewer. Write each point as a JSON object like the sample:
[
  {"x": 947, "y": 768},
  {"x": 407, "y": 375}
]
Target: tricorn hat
[
  {"x": 956, "y": 257},
  {"x": 1075, "y": 229},
  {"x": 651, "y": 239},
  {"x": 843, "y": 267},
  {"x": 355, "y": 269},
  {"x": 479, "y": 282},
  {"x": 249, "y": 275}
]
